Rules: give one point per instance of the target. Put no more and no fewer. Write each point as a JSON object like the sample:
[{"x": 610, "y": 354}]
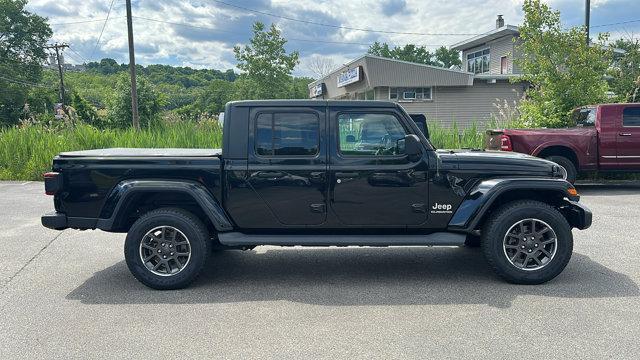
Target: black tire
[
  {"x": 189, "y": 225},
  {"x": 567, "y": 164},
  {"x": 501, "y": 221}
]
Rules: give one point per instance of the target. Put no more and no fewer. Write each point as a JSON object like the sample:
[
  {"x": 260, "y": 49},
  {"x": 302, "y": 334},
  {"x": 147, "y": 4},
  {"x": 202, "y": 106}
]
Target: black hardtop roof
[{"x": 305, "y": 102}]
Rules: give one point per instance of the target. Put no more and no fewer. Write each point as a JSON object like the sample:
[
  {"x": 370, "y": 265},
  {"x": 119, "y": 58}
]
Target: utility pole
[
  {"x": 132, "y": 70},
  {"x": 57, "y": 48},
  {"x": 587, "y": 15}
]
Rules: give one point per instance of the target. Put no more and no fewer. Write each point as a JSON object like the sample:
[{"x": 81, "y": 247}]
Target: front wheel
[
  {"x": 527, "y": 242},
  {"x": 166, "y": 248}
]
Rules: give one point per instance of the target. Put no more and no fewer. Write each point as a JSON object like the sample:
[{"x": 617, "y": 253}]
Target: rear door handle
[
  {"x": 624, "y": 134},
  {"x": 317, "y": 208}
]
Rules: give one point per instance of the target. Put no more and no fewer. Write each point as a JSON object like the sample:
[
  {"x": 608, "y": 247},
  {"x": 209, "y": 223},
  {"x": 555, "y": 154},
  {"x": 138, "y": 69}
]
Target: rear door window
[
  {"x": 287, "y": 134},
  {"x": 631, "y": 116}
]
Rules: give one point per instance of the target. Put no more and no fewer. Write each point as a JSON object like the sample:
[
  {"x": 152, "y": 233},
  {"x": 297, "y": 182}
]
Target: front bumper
[
  {"x": 578, "y": 215},
  {"x": 54, "y": 220}
]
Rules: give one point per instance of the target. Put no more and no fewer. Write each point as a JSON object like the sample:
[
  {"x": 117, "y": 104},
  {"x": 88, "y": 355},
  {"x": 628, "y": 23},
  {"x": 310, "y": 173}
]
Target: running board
[{"x": 435, "y": 239}]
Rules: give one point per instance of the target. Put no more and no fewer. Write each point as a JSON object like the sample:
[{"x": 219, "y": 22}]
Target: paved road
[{"x": 70, "y": 295}]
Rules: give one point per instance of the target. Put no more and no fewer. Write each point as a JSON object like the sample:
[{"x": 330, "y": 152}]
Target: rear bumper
[
  {"x": 578, "y": 215},
  {"x": 54, "y": 220},
  {"x": 60, "y": 221}
]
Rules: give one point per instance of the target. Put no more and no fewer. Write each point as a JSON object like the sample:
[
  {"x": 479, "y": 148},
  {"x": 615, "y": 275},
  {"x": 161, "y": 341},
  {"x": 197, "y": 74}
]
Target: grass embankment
[{"x": 26, "y": 153}]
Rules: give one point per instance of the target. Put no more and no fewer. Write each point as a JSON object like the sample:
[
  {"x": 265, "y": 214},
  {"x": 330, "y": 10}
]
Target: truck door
[
  {"x": 628, "y": 143},
  {"x": 287, "y": 163},
  {"x": 372, "y": 182}
]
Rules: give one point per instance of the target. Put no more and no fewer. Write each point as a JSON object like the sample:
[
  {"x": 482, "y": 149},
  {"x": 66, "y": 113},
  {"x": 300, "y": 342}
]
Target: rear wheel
[
  {"x": 567, "y": 164},
  {"x": 167, "y": 248},
  {"x": 527, "y": 242}
]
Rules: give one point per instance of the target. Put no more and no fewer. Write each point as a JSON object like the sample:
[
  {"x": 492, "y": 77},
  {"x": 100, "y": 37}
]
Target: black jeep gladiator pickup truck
[{"x": 318, "y": 173}]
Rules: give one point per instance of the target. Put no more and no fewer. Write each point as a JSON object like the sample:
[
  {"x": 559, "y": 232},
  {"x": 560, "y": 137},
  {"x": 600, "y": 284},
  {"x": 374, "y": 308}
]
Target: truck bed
[{"x": 142, "y": 152}]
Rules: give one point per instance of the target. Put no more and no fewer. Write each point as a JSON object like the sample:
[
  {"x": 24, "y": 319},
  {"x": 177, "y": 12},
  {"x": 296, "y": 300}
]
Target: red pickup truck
[{"x": 606, "y": 138}]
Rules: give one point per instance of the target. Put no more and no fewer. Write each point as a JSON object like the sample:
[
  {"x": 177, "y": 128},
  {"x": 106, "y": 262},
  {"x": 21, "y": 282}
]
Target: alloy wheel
[
  {"x": 530, "y": 244},
  {"x": 165, "y": 250}
]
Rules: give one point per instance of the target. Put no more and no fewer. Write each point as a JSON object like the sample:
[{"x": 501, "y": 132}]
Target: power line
[
  {"x": 103, "y": 26},
  {"x": 616, "y": 23},
  {"x": 338, "y": 26},
  {"x": 80, "y": 55},
  {"x": 288, "y": 39},
  {"x": 85, "y": 21},
  {"x": 24, "y": 83}
]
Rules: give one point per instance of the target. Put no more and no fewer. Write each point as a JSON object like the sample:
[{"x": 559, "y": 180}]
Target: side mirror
[
  {"x": 412, "y": 145},
  {"x": 350, "y": 138}
]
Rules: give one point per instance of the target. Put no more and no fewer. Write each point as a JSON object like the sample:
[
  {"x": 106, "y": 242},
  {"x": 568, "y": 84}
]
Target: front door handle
[
  {"x": 317, "y": 208},
  {"x": 347, "y": 174},
  {"x": 270, "y": 174},
  {"x": 624, "y": 134}
]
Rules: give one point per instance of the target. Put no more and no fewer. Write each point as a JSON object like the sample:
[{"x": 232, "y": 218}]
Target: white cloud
[{"x": 222, "y": 27}]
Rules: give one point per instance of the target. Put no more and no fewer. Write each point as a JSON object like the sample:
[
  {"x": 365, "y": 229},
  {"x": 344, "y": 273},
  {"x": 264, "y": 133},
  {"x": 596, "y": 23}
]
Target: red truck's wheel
[
  {"x": 567, "y": 164},
  {"x": 527, "y": 242},
  {"x": 167, "y": 248}
]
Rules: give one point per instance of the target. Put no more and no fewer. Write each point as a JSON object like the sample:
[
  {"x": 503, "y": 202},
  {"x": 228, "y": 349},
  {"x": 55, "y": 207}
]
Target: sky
[{"x": 202, "y": 33}]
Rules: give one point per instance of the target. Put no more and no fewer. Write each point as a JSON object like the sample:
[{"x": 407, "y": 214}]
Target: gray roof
[
  {"x": 486, "y": 37},
  {"x": 381, "y": 71}
]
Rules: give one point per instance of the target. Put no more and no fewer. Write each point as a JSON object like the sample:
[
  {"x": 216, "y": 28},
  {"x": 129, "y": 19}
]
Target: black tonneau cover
[{"x": 140, "y": 152}]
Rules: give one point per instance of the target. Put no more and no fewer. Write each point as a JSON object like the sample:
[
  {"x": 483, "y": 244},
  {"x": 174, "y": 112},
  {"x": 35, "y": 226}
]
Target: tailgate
[{"x": 492, "y": 140}]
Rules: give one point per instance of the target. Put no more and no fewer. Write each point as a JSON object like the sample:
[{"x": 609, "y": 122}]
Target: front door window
[{"x": 373, "y": 182}]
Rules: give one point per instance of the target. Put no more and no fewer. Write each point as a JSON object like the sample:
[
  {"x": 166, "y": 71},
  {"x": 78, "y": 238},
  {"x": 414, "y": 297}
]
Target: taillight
[
  {"x": 52, "y": 183},
  {"x": 505, "y": 143}
]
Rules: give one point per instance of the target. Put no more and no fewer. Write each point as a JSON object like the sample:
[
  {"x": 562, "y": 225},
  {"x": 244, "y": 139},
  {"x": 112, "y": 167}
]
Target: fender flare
[
  {"x": 124, "y": 190},
  {"x": 482, "y": 196},
  {"x": 542, "y": 147}
]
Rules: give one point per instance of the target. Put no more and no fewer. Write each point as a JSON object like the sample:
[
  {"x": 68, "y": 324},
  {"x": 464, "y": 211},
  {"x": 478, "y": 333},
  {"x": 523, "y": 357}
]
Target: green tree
[
  {"x": 410, "y": 52},
  {"x": 447, "y": 57},
  {"x": 150, "y": 103},
  {"x": 84, "y": 110},
  {"x": 300, "y": 87},
  {"x": 564, "y": 72},
  {"x": 626, "y": 70},
  {"x": 210, "y": 100},
  {"x": 442, "y": 57},
  {"x": 23, "y": 36},
  {"x": 266, "y": 64},
  {"x": 106, "y": 66}
]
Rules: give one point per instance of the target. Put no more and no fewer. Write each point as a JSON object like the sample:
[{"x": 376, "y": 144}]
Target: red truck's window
[
  {"x": 631, "y": 116},
  {"x": 287, "y": 134}
]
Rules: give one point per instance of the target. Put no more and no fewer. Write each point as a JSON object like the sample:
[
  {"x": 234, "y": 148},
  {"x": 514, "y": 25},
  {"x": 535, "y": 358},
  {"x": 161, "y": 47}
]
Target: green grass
[
  {"x": 26, "y": 153},
  {"x": 471, "y": 137}
]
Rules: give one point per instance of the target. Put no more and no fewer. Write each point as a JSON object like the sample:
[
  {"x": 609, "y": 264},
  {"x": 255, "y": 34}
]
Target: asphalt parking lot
[{"x": 70, "y": 295}]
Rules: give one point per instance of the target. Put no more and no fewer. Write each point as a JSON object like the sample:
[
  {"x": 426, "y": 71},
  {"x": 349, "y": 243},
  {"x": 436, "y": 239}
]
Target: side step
[{"x": 435, "y": 239}]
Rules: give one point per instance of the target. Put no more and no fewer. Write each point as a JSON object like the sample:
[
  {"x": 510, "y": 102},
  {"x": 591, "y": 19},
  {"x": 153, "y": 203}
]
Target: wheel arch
[
  {"x": 489, "y": 195},
  {"x": 132, "y": 198},
  {"x": 558, "y": 150}
]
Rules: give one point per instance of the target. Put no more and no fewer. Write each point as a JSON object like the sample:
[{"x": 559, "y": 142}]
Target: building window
[
  {"x": 287, "y": 134},
  {"x": 478, "y": 62},
  {"x": 410, "y": 94}
]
